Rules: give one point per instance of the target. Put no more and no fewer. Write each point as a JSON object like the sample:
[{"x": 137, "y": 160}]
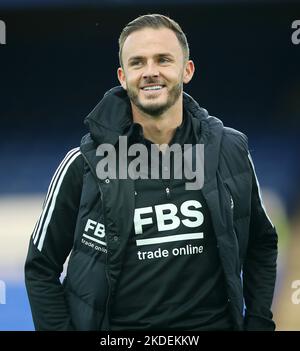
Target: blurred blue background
[{"x": 62, "y": 56}]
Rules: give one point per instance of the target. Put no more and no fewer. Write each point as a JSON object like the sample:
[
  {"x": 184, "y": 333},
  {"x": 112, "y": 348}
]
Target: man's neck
[{"x": 160, "y": 129}]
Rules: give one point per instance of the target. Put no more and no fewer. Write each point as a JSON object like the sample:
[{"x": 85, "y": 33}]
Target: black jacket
[{"x": 246, "y": 238}]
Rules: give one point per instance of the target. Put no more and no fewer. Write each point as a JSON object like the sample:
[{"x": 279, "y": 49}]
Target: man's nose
[{"x": 150, "y": 70}]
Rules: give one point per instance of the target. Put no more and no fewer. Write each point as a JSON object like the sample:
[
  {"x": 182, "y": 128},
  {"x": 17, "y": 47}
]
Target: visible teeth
[{"x": 154, "y": 87}]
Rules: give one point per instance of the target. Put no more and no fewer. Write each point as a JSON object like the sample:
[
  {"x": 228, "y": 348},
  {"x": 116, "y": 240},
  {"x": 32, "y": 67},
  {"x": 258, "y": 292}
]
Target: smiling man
[
  {"x": 154, "y": 68},
  {"x": 154, "y": 65},
  {"x": 146, "y": 253}
]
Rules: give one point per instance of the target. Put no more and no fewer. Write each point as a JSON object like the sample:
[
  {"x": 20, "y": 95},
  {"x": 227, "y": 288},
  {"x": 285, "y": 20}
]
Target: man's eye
[
  {"x": 163, "y": 60},
  {"x": 135, "y": 63}
]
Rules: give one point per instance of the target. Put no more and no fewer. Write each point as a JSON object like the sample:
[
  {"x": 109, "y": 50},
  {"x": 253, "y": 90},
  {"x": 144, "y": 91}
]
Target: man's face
[{"x": 154, "y": 70}]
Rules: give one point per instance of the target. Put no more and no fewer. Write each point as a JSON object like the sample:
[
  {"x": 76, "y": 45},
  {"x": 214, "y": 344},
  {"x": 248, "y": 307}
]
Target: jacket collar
[{"x": 112, "y": 116}]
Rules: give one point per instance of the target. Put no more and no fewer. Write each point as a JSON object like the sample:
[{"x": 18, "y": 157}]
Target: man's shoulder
[
  {"x": 73, "y": 156},
  {"x": 73, "y": 162},
  {"x": 234, "y": 135},
  {"x": 234, "y": 139},
  {"x": 234, "y": 150},
  {"x": 230, "y": 136}
]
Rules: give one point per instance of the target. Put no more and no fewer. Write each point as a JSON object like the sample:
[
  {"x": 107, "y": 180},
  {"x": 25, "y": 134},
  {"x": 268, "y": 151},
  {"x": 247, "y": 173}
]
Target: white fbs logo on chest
[
  {"x": 167, "y": 219},
  {"x": 94, "y": 235}
]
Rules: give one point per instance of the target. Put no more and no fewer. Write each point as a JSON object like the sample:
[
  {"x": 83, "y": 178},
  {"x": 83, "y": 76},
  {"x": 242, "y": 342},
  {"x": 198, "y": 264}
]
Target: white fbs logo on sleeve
[
  {"x": 94, "y": 235},
  {"x": 167, "y": 219}
]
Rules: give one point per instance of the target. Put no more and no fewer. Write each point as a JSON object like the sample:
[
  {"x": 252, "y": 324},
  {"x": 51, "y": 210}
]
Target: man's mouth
[{"x": 153, "y": 87}]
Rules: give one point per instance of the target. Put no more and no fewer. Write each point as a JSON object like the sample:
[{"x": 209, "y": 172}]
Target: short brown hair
[{"x": 155, "y": 21}]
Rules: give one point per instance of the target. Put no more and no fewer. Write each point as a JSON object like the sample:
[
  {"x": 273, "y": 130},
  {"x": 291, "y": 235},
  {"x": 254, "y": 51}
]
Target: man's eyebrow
[
  {"x": 163, "y": 54},
  {"x": 135, "y": 58}
]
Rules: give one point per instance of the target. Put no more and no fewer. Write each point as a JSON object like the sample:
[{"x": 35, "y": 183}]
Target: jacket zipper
[
  {"x": 231, "y": 205},
  {"x": 168, "y": 193},
  {"x": 231, "y": 208},
  {"x": 106, "y": 258}
]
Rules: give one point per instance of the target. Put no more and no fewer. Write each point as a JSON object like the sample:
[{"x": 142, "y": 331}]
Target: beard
[{"x": 155, "y": 109}]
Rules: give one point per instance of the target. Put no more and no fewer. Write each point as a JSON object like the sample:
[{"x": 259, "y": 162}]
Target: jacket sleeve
[
  {"x": 259, "y": 269},
  {"x": 50, "y": 245}
]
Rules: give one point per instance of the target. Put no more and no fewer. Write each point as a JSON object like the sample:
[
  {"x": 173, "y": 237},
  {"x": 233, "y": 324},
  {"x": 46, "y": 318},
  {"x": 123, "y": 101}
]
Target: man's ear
[
  {"x": 121, "y": 77},
  {"x": 188, "y": 72}
]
